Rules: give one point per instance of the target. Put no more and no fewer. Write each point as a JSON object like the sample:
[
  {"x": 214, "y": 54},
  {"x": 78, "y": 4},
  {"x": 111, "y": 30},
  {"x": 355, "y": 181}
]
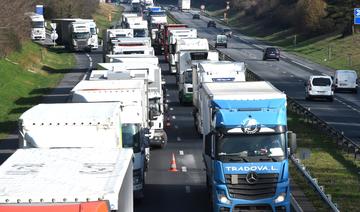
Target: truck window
[
  {"x": 139, "y": 33},
  {"x": 198, "y": 55},
  {"x": 37, "y": 24},
  {"x": 188, "y": 77},
  {"x": 131, "y": 136},
  {"x": 81, "y": 35},
  {"x": 252, "y": 147}
]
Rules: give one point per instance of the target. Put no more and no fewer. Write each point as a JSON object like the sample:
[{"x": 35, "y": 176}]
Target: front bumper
[
  {"x": 159, "y": 138},
  {"x": 187, "y": 97},
  {"x": 266, "y": 204}
]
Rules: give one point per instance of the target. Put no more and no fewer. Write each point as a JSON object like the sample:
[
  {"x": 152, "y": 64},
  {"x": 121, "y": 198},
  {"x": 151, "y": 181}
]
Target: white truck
[
  {"x": 184, "y": 5},
  {"x": 67, "y": 179},
  {"x": 188, "y": 59},
  {"x": 156, "y": 17},
  {"x": 73, "y": 33},
  {"x": 175, "y": 36},
  {"x": 214, "y": 71},
  {"x": 152, "y": 73},
  {"x": 134, "y": 121},
  {"x": 124, "y": 16},
  {"x": 94, "y": 31},
  {"x": 132, "y": 58},
  {"x": 128, "y": 50},
  {"x": 139, "y": 25},
  {"x": 38, "y": 31}
]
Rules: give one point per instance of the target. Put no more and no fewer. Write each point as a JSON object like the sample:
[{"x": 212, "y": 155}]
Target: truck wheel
[
  {"x": 355, "y": 90},
  {"x": 225, "y": 45},
  {"x": 162, "y": 145}
]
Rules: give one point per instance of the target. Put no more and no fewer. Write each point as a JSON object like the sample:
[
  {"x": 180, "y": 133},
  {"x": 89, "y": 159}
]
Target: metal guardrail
[{"x": 310, "y": 118}]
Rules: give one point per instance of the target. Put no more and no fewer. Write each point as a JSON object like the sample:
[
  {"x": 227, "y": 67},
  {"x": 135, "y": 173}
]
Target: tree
[{"x": 310, "y": 14}]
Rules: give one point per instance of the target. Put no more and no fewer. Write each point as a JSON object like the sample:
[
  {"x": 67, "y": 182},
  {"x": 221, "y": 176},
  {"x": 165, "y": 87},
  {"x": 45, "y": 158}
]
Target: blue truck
[{"x": 245, "y": 146}]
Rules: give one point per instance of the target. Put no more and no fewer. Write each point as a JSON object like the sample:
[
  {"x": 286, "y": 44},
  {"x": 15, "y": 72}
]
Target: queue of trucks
[{"x": 118, "y": 111}]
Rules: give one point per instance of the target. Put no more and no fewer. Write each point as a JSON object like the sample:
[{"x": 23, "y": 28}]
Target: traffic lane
[{"x": 184, "y": 190}]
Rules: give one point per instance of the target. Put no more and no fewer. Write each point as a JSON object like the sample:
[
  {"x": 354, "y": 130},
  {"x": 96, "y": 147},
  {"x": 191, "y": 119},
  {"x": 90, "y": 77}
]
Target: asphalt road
[
  {"x": 288, "y": 75},
  {"x": 184, "y": 190}
]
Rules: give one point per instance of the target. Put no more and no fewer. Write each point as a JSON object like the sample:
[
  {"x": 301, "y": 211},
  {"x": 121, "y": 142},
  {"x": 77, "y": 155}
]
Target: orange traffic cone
[
  {"x": 168, "y": 124},
  {"x": 173, "y": 164}
]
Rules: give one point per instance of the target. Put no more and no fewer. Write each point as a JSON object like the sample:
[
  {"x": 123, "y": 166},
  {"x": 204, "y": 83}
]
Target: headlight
[
  {"x": 280, "y": 198},
  {"x": 222, "y": 197}
]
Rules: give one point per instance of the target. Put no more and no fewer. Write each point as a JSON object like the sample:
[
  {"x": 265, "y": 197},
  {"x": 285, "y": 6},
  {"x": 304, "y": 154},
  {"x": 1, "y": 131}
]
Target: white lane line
[
  {"x": 178, "y": 139},
  {"x": 187, "y": 189},
  {"x": 171, "y": 109},
  {"x": 257, "y": 46},
  {"x": 176, "y": 127},
  {"x": 173, "y": 117},
  {"x": 183, "y": 169},
  {"x": 181, "y": 152},
  {"x": 300, "y": 64}
]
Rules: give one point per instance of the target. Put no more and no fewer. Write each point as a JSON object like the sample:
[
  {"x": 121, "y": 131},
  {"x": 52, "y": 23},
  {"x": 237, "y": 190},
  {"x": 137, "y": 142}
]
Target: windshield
[
  {"x": 37, "y": 24},
  {"x": 221, "y": 39},
  {"x": 154, "y": 108},
  {"x": 198, "y": 55},
  {"x": 81, "y": 35},
  {"x": 93, "y": 31},
  {"x": 188, "y": 77},
  {"x": 251, "y": 147},
  {"x": 131, "y": 136},
  {"x": 139, "y": 33},
  {"x": 157, "y": 14},
  {"x": 321, "y": 82}
]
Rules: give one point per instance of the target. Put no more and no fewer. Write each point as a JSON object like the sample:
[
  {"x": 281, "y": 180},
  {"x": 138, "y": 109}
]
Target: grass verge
[
  {"x": 334, "y": 169},
  {"x": 25, "y": 77},
  {"x": 101, "y": 16}
]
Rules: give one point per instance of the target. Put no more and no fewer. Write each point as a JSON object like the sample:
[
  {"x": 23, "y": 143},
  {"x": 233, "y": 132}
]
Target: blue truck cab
[{"x": 246, "y": 148}]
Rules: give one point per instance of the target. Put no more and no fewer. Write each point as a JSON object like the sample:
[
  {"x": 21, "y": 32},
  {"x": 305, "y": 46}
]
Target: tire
[
  {"x": 355, "y": 90},
  {"x": 264, "y": 59},
  {"x": 215, "y": 46},
  {"x": 278, "y": 59}
]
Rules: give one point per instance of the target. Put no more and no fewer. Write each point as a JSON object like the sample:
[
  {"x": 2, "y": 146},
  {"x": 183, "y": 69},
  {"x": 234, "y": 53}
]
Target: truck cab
[
  {"x": 38, "y": 31},
  {"x": 94, "y": 31},
  {"x": 245, "y": 146},
  {"x": 80, "y": 36}
]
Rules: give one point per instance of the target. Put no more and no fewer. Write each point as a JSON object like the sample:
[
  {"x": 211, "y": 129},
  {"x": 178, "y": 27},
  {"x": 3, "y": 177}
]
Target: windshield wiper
[
  {"x": 232, "y": 156},
  {"x": 269, "y": 157}
]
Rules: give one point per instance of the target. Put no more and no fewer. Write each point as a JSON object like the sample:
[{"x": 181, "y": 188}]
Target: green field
[
  {"x": 333, "y": 168},
  {"x": 25, "y": 77}
]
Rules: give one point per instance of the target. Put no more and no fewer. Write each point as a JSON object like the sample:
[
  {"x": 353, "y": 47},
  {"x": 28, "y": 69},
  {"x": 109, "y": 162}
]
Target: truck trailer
[
  {"x": 245, "y": 146},
  {"x": 184, "y": 5},
  {"x": 67, "y": 179},
  {"x": 132, "y": 96}
]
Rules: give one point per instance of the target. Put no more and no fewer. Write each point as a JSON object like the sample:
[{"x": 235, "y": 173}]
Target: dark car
[
  {"x": 227, "y": 32},
  {"x": 211, "y": 24},
  {"x": 271, "y": 53},
  {"x": 196, "y": 16}
]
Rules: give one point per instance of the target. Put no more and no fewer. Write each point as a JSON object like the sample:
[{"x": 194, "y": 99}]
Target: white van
[
  {"x": 345, "y": 80},
  {"x": 319, "y": 87}
]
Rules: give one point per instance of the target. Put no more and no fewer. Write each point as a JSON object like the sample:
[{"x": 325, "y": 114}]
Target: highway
[{"x": 288, "y": 75}]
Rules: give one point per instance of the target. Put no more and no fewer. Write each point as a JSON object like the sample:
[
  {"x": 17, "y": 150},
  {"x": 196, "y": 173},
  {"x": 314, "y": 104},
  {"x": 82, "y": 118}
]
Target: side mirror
[
  {"x": 292, "y": 142},
  {"x": 97, "y": 30},
  {"x": 332, "y": 78}
]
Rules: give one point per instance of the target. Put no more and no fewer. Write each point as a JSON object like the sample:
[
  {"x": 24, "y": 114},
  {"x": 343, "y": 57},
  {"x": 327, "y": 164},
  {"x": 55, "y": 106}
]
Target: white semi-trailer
[
  {"x": 67, "y": 179},
  {"x": 132, "y": 96},
  {"x": 184, "y": 5}
]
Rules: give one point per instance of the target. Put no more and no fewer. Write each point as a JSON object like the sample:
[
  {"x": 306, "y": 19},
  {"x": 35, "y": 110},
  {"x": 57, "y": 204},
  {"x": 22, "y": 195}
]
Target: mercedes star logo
[{"x": 251, "y": 177}]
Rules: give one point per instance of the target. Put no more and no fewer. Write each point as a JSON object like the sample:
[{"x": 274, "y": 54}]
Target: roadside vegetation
[
  {"x": 26, "y": 75},
  {"x": 319, "y": 30},
  {"x": 101, "y": 16},
  {"x": 337, "y": 171}
]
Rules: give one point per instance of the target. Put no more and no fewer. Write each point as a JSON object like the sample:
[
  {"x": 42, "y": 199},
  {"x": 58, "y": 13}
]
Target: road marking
[
  {"x": 167, "y": 101},
  {"x": 178, "y": 139},
  {"x": 257, "y": 46},
  {"x": 300, "y": 64},
  {"x": 167, "y": 95},
  {"x": 183, "y": 169},
  {"x": 171, "y": 109},
  {"x": 187, "y": 189},
  {"x": 173, "y": 117},
  {"x": 181, "y": 152}
]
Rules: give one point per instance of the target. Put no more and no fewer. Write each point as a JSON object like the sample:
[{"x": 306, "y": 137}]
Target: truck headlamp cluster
[
  {"x": 280, "y": 198},
  {"x": 222, "y": 197}
]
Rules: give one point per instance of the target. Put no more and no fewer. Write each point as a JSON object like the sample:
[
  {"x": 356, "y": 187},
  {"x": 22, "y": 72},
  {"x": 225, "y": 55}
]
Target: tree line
[
  {"x": 15, "y": 23},
  {"x": 306, "y": 16}
]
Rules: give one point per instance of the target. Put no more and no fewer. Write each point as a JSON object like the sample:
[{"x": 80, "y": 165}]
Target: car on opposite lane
[
  {"x": 319, "y": 87},
  {"x": 271, "y": 53},
  {"x": 211, "y": 24},
  {"x": 196, "y": 16},
  {"x": 227, "y": 32}
]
